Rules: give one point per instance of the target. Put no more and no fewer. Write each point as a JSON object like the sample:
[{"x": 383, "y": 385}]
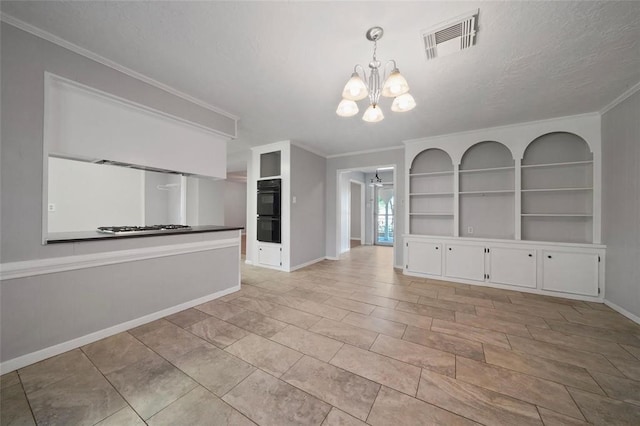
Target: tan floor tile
[
  {"x": 428, "y": 311},
  {"x": 471, "y": 333},
  {"x": 619, "y": 388},
  {"x": 275, "y": 286},
  {"x": 395, "y": 293},
  {"x": 269, "y": 401},
  {"x": 320, "y": 309},
  {"x": 600, "y": 410},
  {"x": 492, "y": 324},
  {"x": 350, "y": 305},
  {"x": 364, "y": 297},
  {"x": 633, "y": 350},
  {"x": 187, "y": 317},
  {"x": 552, "y": 304},
  {"x": 546, "y": 313},
  {"x": 126, "y": 416},
  {"x": 347, "y": 391},
  {"x": 340, "y": 418},
  {"x": 150, "y": 385},
  {"x": 378, "y": 325},
  {"x": 520, "y": 386},
  {"x": 551, "y": 418},
  {"x": 556, "y": 371},
  {"x": 579, "y": 343},
  {"x": 597, "y": 333},
  {"x": 345, "y": 333},
  {"x": 293, "y": 316},
  {"x": 426, "y": 291},
  {"x": 474, "y": 402},
  {"x": 9, "y": 379},
  {"x": 199, "y": 407},
  {"x": 116, "y": 352},
  {"x": 14, "y": 408},
  {"x": 445, "y": 342},
  {"x": 257, "y": 323},
  {"x": 630, "y": 368},
  {"x": 389, "y": 372},
  {"x": 590, "y": 361},
  {"x": 475, "y": 301},
  {"x": 219, "y": 309},
  {"x": 171, "y": 342},
  {"x": 308, "y": 343},
  {"x": 418, "y": 355},
  {"x": 54, "y": 369},
  {"x": 395, "y": 408},
  {"x": 614, "y": 321},
  {"x": 149, "y": 327},
  {"x": 403, "y": 317},
  {"x": 251, "y": 304},
  {"x": 269, "y": 356},
  {"x": 310, "y": 295},
  {"x": 497, "y": 295},
  {"x": 512, "y": 317},
  {"x": 218, "y": 332},
  {"x": 214, "y": 369}
]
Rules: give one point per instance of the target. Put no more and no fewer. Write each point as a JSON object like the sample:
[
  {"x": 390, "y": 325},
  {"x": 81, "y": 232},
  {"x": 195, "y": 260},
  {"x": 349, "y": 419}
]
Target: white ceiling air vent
[{"x": 451, "y": 36}]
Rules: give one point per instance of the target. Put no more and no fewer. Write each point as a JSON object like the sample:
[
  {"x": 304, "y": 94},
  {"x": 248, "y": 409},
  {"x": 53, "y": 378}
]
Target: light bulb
[
  {"x": 355, "y": 89},
  {"x": 403, "y": 103},
  {"x": 373, "y": 114},
  {"x": 347, "y": 108},
  {"x": 395, "y": 85}
]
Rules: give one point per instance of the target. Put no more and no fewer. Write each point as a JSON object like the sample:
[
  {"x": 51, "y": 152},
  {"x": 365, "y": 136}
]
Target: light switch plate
[{"x": 51, "y": 207}]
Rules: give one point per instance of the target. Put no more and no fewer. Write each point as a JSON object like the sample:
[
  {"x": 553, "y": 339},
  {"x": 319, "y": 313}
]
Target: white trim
[
  {"x": 627, "y": 93},
  {"x": 366, "y": 151},
  {"x": 248, "y": 262},
  {"x": 331, "y": 258},
  {"x": 29, "y": 268},
  {"x": 622, "y": 311},
  {"x": 305, "y": 264},
  {"x": 506, "y": 126},
  {"x": 33, "y": 357},
  {"x": 111, "y": 64}
]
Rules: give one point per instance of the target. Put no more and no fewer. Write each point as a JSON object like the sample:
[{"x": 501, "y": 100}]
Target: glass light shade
[
  {"x": 395, "y": 85},
  {"x": 403, "y": 103},
  {"x": 373, "y": 114},
  {"x": 347, "y": 108},
  {"x": 355, "y": 89}
]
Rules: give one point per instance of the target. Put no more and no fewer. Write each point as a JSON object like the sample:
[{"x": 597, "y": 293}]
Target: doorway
[{"x": 384, "y": 202}]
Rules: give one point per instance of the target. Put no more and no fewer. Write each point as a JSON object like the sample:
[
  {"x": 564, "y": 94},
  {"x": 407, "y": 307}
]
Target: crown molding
[
  {"x": 15, "y": 22},
  {"x": 628, "y": 93},
  {"x": 366, "y": 151},
  {"x": 308, "y": 148}
]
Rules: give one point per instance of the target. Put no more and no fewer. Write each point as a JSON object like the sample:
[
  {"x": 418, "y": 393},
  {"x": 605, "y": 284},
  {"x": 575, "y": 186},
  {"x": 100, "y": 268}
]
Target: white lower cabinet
[
  {"x": 512, "y": 266},
  {"x": 465, "y": 261},
  {"x": 570, "y": 272},
  {"x": 424, "y": 257},
  {"x": 554, "y": 269},
  {"x": 270, "y": 255}
]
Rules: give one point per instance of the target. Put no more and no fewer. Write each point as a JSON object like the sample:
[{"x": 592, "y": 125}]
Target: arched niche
[
  {"x": 486, "y": 155},
  {"x": 432, "y": 160},
  {"x": 557, "y": 147}
]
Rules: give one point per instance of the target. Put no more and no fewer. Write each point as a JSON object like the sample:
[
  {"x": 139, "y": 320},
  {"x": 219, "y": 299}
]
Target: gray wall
[
  {"x": 360, "y": 161},
  {"x": 25, "y": 58},
  {"x": 307, "y": 214},
  {"x": 356, "y": 210},
  {"x": 235, "y": 204},
  {"x": 621, "y": 202}
]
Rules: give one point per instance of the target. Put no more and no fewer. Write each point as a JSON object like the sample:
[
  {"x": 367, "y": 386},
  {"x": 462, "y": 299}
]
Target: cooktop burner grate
[{"x": 141, "y": 229}]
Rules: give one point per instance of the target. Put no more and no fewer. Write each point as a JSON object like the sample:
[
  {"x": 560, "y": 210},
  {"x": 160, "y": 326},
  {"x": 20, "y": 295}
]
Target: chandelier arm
[
  {"x": 385, "y": 71},
  {"x": 363, "y": 76}
]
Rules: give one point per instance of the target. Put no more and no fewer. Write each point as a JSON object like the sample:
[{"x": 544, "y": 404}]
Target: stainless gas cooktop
[{"x": 151, "y": 229}]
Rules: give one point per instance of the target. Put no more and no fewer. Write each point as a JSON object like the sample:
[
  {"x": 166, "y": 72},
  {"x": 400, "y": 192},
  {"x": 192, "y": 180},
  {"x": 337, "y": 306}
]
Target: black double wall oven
[{"x": 269, "y": 209}]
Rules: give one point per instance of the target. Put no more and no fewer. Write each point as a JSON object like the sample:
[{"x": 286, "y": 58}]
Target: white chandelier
[{"x": 395, "y": 86}]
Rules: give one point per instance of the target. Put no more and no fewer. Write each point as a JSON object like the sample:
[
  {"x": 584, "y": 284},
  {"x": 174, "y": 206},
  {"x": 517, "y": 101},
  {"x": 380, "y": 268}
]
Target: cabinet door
[
  {"x": 512, "y": 266},
  {"x": 570, "y": 272},
  {"x": 464, "y": 261},
  {"x": 269, "y": 255},
  {"x": 424, "y": 257}
]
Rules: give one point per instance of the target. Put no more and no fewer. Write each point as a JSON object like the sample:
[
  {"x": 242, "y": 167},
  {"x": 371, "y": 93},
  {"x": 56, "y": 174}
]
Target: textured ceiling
[{"x": 281, "y": 66}]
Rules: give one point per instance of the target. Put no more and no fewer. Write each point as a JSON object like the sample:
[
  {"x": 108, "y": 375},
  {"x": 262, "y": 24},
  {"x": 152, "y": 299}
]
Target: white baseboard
[
  {"x": 331, "y": 258},
  {"x": 33, "y": 357},
  {"x": 302, "y": 265},
  {"x": 248, "y": 262},
  {"x": 623, "y": 311},
  {"x": 356, "y": 239}
]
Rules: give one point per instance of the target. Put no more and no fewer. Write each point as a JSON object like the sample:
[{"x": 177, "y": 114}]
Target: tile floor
[{"x": 343, "y": 343}]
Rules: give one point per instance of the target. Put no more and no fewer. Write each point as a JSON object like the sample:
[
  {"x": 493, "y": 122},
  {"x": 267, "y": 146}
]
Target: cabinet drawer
[
  {"x": 424, "y": 257},
  {"x": 570, "y": 272},
  {"x": 464, "y": 261},
  {"x": 513, "y": 266},
  {"x": 269, "y": 255}
]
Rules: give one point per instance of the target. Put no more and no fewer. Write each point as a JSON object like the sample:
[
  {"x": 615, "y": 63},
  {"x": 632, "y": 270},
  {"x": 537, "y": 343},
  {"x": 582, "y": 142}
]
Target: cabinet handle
[
  {"x": 530, "y": 255},
  {"x": 437, "y": 248},
  {"x": 449, "y": 248},
  {"x": 549, "y": 257}
]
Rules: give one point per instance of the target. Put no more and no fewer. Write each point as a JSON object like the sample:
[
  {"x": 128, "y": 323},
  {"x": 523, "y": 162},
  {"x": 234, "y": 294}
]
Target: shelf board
[
  {"x": 450, "y": 172},
  {"x": 430, "y": 194},
  {"x": 498, "y": 191},
  {"x": 556, "y": 189},
  {"x": 490, "y": 169},
  {"x": 432, "y": 214},
  {"x": 556, "y": 215},
  {"x": 568, "y": 163}
]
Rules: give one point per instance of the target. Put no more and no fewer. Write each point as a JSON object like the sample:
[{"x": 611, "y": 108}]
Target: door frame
[
  {"x": 374, "y": 211},
  {"x": 362, "y": 209}
]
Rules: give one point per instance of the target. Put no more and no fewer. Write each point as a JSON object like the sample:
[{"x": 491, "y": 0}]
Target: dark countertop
[{"x": 75, "y": 237}]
